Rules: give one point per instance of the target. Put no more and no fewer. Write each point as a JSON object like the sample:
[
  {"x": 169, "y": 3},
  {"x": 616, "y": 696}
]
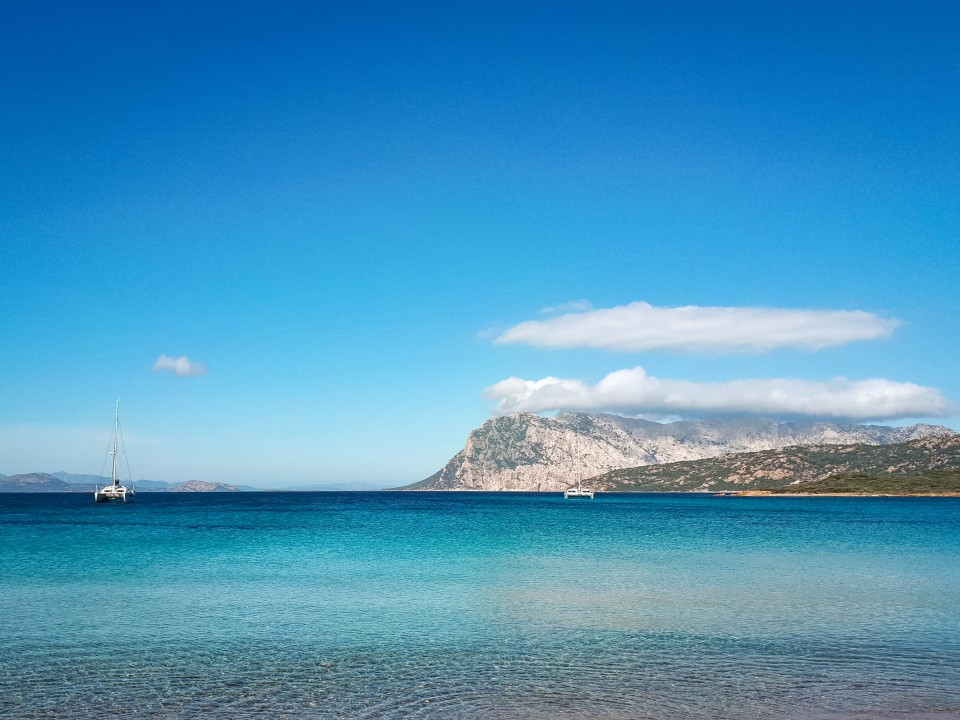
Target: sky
[{"x": 322, "y": 242}]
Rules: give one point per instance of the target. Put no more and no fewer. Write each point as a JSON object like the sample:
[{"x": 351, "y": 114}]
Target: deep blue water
[{"x": 449, "y": 605}]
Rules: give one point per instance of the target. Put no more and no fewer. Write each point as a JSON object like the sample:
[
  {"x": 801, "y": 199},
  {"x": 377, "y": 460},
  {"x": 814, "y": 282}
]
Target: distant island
[
  {"x": 47, "y": 483},
  {"x": 39, "y": 482}
]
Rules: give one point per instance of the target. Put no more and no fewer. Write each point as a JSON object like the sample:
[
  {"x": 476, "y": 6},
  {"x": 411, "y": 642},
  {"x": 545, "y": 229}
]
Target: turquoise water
[{"x": 448, "y": 605}]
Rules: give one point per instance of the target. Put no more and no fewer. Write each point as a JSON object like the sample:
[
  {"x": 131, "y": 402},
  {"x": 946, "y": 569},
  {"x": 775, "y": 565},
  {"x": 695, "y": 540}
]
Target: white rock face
[{"x": 528, "y": 452}]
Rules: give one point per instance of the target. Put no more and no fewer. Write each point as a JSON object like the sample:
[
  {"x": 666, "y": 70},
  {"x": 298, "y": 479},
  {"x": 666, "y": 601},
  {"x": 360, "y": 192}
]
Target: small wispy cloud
[
  {"x": 633, "y": 392},
  {"x": 640, "y": 326},
  {"x": 574, "y": 306},
  {"x": 181, "y": 366}
]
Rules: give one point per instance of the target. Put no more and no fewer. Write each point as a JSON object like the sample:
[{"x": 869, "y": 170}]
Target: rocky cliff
[{"x": 524, "y": 451}]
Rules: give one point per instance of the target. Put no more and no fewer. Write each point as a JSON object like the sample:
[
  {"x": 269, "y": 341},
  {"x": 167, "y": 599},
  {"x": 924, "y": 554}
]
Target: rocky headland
[{"x": 527, "y": 452}]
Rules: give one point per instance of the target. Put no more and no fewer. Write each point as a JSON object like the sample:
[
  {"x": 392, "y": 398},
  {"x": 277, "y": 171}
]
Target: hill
[
  {"x": 202, "y": 486},
  {"x": 67, "y": 482},
  {"x": 96, "y": 480},
  {"x": 772, "y": 469},
  {"x": 935, "y": 482},
  {"x": 34, "y": 483}
]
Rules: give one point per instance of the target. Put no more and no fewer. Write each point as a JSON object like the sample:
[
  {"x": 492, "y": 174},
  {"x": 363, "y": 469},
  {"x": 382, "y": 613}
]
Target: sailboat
[
  {"x": 580, "y": 492},
  {"x": 115, "y": 491}
]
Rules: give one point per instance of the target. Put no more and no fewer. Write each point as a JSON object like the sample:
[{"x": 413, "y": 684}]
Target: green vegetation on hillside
[
  {"x": 934, "y": 482},
  {"x": 773, "y": 469}
]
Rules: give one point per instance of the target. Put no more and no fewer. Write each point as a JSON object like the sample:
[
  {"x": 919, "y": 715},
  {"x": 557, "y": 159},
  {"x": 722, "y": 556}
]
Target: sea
[{"x": 479, "y": 605}]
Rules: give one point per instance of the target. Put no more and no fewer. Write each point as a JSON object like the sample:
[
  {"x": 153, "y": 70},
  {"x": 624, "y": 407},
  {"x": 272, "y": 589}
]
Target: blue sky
[{"x": 344, "y": 212}]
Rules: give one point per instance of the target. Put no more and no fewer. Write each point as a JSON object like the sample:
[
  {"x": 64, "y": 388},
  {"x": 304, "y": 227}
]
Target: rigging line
[
  {"x": 126, "y": 458},
  {"x": 107, "y": 453}
]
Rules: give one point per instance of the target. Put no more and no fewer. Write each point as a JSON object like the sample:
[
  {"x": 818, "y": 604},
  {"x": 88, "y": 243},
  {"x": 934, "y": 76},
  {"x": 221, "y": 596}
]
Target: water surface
[{"x": 450, "y": 605}]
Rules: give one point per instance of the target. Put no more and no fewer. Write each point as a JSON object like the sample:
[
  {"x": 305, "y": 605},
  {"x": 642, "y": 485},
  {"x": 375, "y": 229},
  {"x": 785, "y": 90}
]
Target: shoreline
[{"x": 770, "y": 493}]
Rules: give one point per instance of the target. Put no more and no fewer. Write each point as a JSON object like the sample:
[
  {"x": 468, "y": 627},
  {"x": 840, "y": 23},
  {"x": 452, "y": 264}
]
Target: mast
[
  {"x": 579, "y": 468},
  {"x": 116, "y": 433}
]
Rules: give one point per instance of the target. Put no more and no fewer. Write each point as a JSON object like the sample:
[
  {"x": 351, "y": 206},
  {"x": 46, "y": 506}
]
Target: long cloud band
[
  {"x": 635, "y": 392},
  {"x": 640, "y": 327}
]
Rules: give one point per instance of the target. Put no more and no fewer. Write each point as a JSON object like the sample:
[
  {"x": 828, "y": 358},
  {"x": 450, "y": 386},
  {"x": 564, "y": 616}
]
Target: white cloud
[
  {"x": 640, "y": 326},
  {"x": 574, "y": 306},
  {"x": 633, "y": 392},
  {"x": 181, "y": 366}
]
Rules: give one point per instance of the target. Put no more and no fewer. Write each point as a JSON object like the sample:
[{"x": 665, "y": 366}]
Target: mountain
[
  {"x": 97, "y": 480},
  {"x": 355, "y": 486},
  {"x": 202, "y": 486},
  {"x": 793, "y": 466},
  {"x": 70, "y": 482},
  {"x": 33, "y": 483},
  {"x": 524, "y": 451}
]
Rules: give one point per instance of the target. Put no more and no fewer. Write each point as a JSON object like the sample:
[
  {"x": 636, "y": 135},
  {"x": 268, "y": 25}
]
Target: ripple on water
[
  {"x": 414, "y": 607},
  {"x": 617, "y": 676}
]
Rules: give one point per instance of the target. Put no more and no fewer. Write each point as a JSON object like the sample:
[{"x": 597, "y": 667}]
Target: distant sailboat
[
  {"x": 115, "y": 491},
  {"x": 578, "y": 493}
]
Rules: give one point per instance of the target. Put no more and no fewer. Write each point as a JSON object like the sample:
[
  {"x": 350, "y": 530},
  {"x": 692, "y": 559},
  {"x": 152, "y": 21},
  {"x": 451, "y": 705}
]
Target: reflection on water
[{"x": 388, "y": 605}]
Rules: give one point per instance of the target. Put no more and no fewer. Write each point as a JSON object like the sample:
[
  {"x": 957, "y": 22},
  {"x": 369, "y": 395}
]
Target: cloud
[
  {"x": 574, "y": 306},
  {"x": 640, "y": 326},
  {"x": 181, "y": 366},
  {"x": 633, "y": 392}
]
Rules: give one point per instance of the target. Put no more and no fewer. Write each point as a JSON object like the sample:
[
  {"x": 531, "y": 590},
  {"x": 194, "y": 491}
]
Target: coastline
[{"x": 770, "y": 493}]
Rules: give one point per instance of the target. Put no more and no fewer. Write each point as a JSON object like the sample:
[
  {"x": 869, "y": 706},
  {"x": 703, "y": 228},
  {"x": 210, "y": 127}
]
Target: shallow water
[{"x": 449, "y": 605}]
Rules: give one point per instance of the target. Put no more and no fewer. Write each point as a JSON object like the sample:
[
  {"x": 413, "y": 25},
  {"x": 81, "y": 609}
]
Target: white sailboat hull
[{"x": 119, "y": 492}]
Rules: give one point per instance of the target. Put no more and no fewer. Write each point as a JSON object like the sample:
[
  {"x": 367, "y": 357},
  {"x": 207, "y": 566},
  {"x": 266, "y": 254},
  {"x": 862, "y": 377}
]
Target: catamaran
[
  {"x": 115, "y": 491},
  {"x": 579, "y": 492}
]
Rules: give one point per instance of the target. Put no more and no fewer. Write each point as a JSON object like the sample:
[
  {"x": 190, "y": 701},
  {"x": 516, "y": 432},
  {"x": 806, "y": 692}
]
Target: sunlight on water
[{"x": 388, "y": 605}]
